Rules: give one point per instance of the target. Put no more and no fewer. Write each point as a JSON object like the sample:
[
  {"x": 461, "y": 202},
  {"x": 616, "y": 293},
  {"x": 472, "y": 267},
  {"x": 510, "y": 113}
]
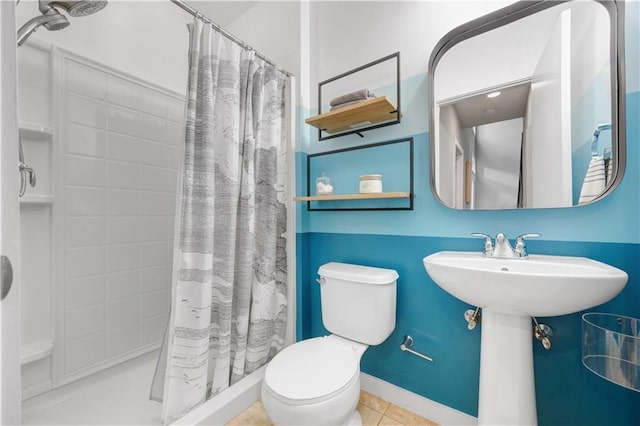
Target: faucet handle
[
  {"x": 520, "y": 238},
  {"x": 488, "y": 244},
  {"x": 480, "y": 234},
  {"x": 519, "y": 249}
]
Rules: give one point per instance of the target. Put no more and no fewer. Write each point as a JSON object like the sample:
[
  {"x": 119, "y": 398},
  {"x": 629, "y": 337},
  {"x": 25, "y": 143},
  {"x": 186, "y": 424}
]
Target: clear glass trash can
[{"x": 611, "y": 348}]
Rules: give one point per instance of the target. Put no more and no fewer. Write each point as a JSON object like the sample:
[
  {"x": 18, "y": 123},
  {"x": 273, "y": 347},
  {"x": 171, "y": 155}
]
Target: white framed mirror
[{"x": 526, "y": 107}]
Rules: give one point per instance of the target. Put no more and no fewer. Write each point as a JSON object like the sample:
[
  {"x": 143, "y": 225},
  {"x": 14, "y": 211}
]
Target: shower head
[
  {"x": 57, "y": 21},
  {"x": 52, "y": 20},
  {"x": 74, "y": 8}
]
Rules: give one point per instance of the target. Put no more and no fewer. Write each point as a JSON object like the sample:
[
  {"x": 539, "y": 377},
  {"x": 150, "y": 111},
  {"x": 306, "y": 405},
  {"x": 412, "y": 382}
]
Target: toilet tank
[{"x": 358, "y": 302}]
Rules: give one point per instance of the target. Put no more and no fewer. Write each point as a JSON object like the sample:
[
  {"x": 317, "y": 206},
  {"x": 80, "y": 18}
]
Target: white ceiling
[
  {"x": 479, "y": 109},
  {"x": 221, "y": 12}
]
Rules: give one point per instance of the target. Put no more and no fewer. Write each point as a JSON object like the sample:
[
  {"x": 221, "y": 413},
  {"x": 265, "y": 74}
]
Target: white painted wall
[
  {"x": 273, "y": 29},
  {"x": 344, "y": 35},
  {"x": 147, "y": 39},
  {"x": 450, "y": 134},
  {"x": 590, "y": 76},
  {"x": 347, "y": 36},
  {"x": 445, "y": 177},
  {"x": 590, "y": 47},
  {"x": 498, "y": 164}
]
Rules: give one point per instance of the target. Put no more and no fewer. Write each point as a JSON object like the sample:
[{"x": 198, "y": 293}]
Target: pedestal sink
[{"x": 510, "y": 292}]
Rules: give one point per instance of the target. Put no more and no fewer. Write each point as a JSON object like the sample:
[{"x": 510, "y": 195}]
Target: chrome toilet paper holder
[{"x": 407, "y": 344}]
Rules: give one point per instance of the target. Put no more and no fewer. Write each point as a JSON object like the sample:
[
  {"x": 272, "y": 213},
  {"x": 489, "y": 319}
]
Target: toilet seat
[{"x": 311, "y": 371}]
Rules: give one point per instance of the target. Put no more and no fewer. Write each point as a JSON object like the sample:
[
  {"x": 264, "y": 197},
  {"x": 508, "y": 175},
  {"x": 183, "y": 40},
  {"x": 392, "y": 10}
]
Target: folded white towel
[
  {"x": 594, "y": 181},
  {"x": 344, "y": 104},
  {"x": 358, "y": 95}
]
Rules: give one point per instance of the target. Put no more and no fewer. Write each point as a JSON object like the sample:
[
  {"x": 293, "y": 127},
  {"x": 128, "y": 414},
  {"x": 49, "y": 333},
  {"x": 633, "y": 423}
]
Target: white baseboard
[
  {"x": 228, "y": 404},
  {"x": 224, "y": 407},
  {"x": 415, "y": 403}
]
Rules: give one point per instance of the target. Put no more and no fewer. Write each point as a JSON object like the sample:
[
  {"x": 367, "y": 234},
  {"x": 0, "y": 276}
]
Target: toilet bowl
[
  {"x": 314, "y": 382},
  {"x": 317, "y": 381}
]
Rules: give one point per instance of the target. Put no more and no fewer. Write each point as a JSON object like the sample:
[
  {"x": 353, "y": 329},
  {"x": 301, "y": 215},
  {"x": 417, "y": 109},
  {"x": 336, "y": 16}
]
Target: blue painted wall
[
  {"x": 566, "y": 392},
  {"x": 608, "y": 230}
]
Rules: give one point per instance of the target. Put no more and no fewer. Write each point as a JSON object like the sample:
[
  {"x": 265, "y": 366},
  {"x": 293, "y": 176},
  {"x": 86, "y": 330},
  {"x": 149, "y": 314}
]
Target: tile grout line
[
  {"x": 246, "y": 416},
  {"x": 383, "y": 414}
]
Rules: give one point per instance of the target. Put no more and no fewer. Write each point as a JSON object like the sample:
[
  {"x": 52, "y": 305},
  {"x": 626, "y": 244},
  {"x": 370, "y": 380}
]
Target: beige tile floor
[{"x": 373, "y": 410}]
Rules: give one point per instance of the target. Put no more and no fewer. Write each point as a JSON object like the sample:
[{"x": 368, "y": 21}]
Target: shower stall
[
  {"x": 101, "y": 148},
  {"x": 97, "y": 229}
]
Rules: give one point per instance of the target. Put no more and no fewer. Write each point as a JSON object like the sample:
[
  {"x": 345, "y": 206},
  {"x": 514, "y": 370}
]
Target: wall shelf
[
  {"x": 391, "y": 159},
  {"x": 368, "y": 115},
  {"x": 35, "y": 131},
  {"x": 36, "y": 199},
  {"x": 340, "y": 197},
  {"x": 35, "y": 351},
  {"x": 354, "y": 116}
]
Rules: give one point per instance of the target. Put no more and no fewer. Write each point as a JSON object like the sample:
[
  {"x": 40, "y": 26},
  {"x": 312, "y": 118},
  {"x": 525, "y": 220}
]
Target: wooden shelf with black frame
[
  {"x": 391, "y": 160},
  {"x": 364, "y": 114}
]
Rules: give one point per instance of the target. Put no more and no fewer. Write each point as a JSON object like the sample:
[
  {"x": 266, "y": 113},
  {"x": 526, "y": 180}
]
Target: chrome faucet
[{"x": 502, "y": 248}]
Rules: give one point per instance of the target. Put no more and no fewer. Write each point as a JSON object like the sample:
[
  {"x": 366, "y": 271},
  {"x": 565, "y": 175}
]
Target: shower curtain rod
[{"x": 184, "y": 6}]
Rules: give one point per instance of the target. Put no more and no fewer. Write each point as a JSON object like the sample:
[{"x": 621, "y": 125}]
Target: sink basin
[
  {"x": 538, "y": 286},
  {"x": 510, "y": 292}
]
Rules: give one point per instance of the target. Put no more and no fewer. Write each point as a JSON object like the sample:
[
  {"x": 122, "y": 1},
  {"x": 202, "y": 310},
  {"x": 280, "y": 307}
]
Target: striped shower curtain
[{"x": 229, "y": 288}]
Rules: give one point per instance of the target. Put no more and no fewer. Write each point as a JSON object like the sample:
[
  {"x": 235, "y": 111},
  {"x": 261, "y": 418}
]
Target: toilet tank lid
[{"x": 358, "y": 273}]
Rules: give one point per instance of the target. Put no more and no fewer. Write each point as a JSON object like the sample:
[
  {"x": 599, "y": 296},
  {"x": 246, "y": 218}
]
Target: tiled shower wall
[{"x": 120, "y": 152}]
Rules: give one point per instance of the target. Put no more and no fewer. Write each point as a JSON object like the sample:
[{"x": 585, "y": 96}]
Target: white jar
[
  {"x": 323, "y": 185},
  {"x": 370, "y": 184}
]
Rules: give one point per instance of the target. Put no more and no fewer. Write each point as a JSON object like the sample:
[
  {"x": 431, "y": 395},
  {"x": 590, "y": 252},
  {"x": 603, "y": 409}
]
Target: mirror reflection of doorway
[
  {"x": 498, "y": 152},
  {"x": 554, "y": 71}
]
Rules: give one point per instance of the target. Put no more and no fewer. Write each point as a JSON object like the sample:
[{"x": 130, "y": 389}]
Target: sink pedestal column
[{"x": 507, "y": 389}]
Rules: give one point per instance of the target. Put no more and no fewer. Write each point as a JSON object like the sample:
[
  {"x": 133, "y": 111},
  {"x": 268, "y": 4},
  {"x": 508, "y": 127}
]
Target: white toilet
[{"x": 317, "y": 381}]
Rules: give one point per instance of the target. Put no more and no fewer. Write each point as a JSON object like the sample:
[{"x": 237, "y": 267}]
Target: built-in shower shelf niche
[
  {"x": 35, "y": 351},
  {"x": 38, "y": 147},
  {"x": 36, "y": 199},
  {"x": 35, "y": 131}
]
